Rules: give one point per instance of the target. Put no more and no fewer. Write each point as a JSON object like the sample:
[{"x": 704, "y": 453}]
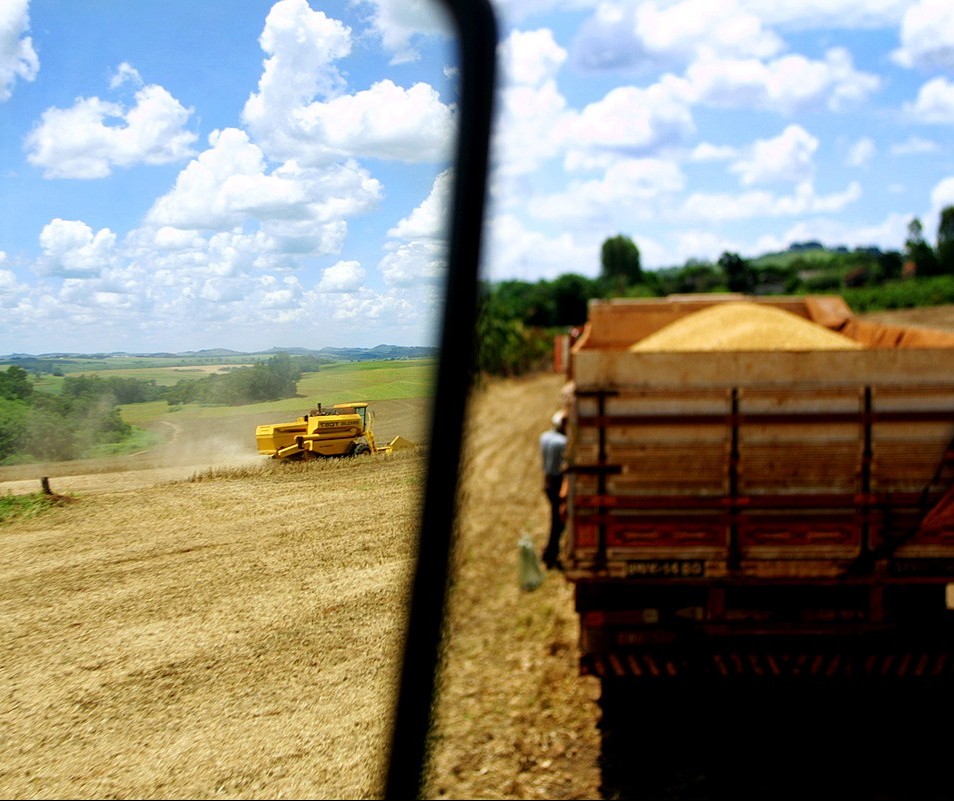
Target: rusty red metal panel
[
  {"x": 763, "y": 664},
  {"x": 664, "y": 532},
  {"x": 798, "y": 532}
]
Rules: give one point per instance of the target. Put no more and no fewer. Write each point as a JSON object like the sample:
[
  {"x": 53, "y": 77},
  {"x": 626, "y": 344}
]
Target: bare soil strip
[{"x": 514, "y": 718}]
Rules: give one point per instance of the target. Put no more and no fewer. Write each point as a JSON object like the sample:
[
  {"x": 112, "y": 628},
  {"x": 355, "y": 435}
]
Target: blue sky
[{"x": 179, "y": 176}]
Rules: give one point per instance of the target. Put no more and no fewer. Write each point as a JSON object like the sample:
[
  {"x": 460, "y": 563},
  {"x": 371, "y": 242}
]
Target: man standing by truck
[{"x": 553, "y": 449}]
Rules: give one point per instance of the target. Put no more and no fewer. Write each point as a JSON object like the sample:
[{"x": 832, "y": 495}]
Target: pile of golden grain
[{"x": 743, "y": 326}]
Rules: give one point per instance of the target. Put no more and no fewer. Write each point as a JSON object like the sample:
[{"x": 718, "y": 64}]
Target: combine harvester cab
[
  {"x": 346, "y": 429},
  {"x": 769, "y": 510}
]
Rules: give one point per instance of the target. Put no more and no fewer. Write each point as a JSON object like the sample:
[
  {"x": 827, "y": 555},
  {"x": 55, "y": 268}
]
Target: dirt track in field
[{"x": 515, "y": 720}]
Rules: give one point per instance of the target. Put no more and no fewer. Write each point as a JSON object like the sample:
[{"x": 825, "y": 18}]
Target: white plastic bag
[{"x": 531, "y": 574}]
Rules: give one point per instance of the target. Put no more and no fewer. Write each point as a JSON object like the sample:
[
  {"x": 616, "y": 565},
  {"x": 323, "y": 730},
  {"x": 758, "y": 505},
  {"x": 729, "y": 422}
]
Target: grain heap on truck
[
  {"x": 345, "y": 429},
  {"x": 759, "y": 487}
]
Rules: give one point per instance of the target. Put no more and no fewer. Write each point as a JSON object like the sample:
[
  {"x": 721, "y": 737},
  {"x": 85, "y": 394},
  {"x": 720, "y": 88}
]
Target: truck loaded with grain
[{"x": 759, "y": 487}]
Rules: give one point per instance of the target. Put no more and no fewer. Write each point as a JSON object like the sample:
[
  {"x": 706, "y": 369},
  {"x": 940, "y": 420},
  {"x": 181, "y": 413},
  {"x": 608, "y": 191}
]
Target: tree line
[
  {"x": 517, "y": 319},
  {"x": 40, "y": 426}
]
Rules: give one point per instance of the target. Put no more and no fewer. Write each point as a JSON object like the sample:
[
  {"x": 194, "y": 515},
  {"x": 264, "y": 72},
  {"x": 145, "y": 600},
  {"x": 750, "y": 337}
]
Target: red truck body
[{"x": 755, "y": 513}]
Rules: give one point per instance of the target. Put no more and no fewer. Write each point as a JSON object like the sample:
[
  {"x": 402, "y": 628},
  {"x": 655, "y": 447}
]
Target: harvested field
[
  {"x": 236, "y": 637},
  {"x": 232, "y": 636}
]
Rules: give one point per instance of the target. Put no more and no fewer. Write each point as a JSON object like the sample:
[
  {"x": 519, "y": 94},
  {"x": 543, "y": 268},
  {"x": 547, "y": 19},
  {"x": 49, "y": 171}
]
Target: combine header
[{"x": 343, "y": 430}]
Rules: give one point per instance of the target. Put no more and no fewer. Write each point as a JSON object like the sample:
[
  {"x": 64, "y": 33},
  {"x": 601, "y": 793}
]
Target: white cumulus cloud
[
  {"x": 93, "y": 136},
  {"x": 514, "y": 250},
  {"x": 398, "y": 22},
  {"x": 12, "y": 291},
  {"x": 345, "y": 276},
  {"x": 632, "y": 120},
  {"x": 411, "y": 263},
  {"x": 788, "y": 84},
  {"x": 385, "y": 121},
  {"x": 302, "y": 46},
  {"x": 692, "y": 27},
  {"x": 622, "y": 34},
  {"x": 416, "y": 252},
  {"x": 530, "y": 58},
  {"x": 934, "y": 103},
  {"x": 927, "y": 35},
  {"x": 229, "y": 184},
  {"x": 125, "y": 72},
  {"x": 18, "y": 59},
  {"x": 532, "y": 113},
  {"x": 629, "y": 189},
  {"x": 788, "y": 157},
  {"x": 223, "y": 184},
  {"x": 942, "y": 195},
  {"x": 749, "y": 205},
  {"x": 429, "y": 219},
  {"x": 302, "y": 111},
  {"x": 812, "y": 14},
  {"x": 281, "y": 295},
  {"x": 71, "y": 249}
]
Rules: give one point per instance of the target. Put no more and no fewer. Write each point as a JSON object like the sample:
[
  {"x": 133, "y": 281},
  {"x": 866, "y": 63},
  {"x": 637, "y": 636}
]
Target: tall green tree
[
  {"x": 945, "y": 241},
  {"x": 571, "y": 294},
  {"x": 503, "y": 344},
  {"x": 13, "y": 413},
  {"x": 919, "y": 252},
  {"x": 890, "y": 266},
  {"x": 15, "y": 383},
  {"x": 620, "y": 263},
  {"x": 739, "y": 275}
]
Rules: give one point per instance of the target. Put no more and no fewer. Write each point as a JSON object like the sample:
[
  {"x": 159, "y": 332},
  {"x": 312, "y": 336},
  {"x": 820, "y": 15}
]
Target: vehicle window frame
[{"x": 476, "y": 34}]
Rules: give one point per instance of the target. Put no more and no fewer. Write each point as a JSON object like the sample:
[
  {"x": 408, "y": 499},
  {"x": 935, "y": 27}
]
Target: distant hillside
[
  {"x": 379, "y": 352},
  {"x": 211, "y": 353},
  {"x": 786, "y": 258}
]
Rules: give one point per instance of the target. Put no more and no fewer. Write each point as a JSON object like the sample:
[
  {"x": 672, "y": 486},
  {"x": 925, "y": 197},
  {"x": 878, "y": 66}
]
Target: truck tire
[{"x": 361, "y": 449}]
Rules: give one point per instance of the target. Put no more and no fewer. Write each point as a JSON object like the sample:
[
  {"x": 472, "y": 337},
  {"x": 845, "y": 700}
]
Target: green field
[
  {"x": 371, "y": 381},
  {"x": 353, "y": 381},
  {"x": 336, "y": 383},
  {"x": 167, "y": 376},
  {"x": 164, "y": 375}
]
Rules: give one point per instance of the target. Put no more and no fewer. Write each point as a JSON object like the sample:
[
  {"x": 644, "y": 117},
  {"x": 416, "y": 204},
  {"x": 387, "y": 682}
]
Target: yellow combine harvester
[{"x": 343, "y": 430}]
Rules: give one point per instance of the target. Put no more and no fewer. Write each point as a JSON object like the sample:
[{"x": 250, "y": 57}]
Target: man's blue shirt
[{"x": 552, "y": 448}]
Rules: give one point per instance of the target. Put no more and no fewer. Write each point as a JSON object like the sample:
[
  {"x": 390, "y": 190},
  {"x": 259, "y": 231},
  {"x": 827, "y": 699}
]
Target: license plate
[{"x": 667, "y": 568}]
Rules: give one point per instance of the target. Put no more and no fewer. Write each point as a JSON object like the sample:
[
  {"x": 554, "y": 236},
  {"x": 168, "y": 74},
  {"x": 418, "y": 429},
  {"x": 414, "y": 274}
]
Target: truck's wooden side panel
[
  {"x": 798, "y": 472},
  {"x": 607, "y": 370},
  {"x": 714, "y": 494}
]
